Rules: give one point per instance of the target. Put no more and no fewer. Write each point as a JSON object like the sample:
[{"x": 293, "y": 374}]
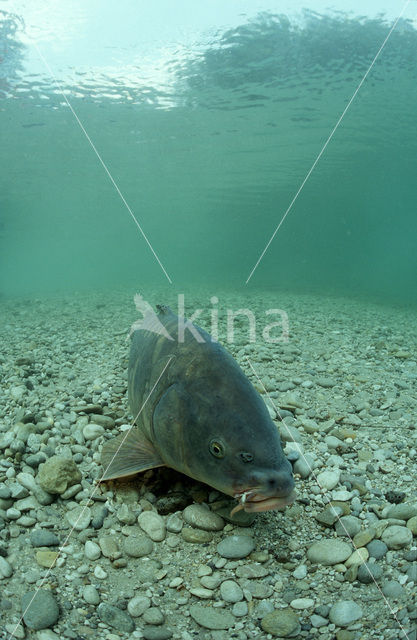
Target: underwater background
[{"x": 208, "y": 116}]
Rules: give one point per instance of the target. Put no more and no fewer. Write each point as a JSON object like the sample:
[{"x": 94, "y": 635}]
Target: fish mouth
[{"x": 252, "y": 501}]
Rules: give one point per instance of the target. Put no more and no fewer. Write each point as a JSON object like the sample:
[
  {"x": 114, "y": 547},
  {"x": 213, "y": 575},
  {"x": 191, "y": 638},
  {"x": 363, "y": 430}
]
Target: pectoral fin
[{"x": 129, "y": 453}]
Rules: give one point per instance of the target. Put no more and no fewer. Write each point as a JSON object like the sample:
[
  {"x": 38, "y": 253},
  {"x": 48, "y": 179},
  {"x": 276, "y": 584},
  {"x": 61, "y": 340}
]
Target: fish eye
[{"x": 216, "y": 449}]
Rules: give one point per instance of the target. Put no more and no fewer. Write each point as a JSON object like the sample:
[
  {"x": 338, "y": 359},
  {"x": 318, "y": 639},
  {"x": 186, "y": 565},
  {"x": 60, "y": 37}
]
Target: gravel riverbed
[{"x": 158, "y": 556}]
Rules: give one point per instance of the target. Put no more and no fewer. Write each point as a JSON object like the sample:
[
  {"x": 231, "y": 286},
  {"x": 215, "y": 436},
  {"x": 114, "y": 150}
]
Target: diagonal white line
[
  {"x": 313, "y": 166},
  {"x": 62, "y": 547},
  {"x": 325, "y": 493},
  {"x": 103, "y": 164}
]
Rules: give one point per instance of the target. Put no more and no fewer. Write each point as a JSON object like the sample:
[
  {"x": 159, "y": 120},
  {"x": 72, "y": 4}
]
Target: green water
[{"x": 208, "y": 149}]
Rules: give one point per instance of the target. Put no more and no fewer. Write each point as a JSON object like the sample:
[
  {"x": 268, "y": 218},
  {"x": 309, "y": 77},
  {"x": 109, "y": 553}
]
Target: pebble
[
  {"x": 156, "y": 633},
  {"x": 29, "y": 482},
  {"x": 138, "y": 546},
  {"x": 304, "y": 465},
  {"x": 329, "y": 551},
  {"x": 153, "y": 615},
  {"x": 91, "y": 595},
  {"x": 240, "y": 609},
  {"x": 109, "y": 547},
  {"x": 328, "y": 479},
  {"x": 400, "y": 511},
  {"x": 197, "y": 536},
  {"x": 47, "y": 559},
  {"x": 15, "y": 630},
  {"x": 230, "y": 591},
  {"x": 92, "y": 431},
  {"x": 115, "y": 617},
  {"x": 412, "y": 525},
  {"x": 345, "y": 612},
  {"x": 153, "y": 525},
  {"x": 43, "y": 538},
  {"x": 197, "y": 515},
  {"x": 252, "y": 571},
  {"x": 357, "y": 558},
  {"x": 91, "y": 550},
  {"x": 125, "y": 514},
  {"x": 79, "y": 517},
  {"x": 40, "y": 609},
  {"x": 393, "y": 589},
  {"x": 318, "y": 621},
  {"x": 281, "y": 623},
  {"x": 235, "y": 546},
  {"x": 300, "y": 572},
  {"x": 99, "y": 573},
  {"x": 348, "y": 526},
  {"x": 138, "y": 605},
  {"x": 211, "y": 618},
  {"x": 377, "y": 549},
  {"x": 57, "y": 474},
  {"x": 6, "y": 569},
  {"x": 397, "y": 537},
  {"x": 174, "y": 523},
  {"x": 362, "y": 538},
  {"x": 369, "y": 572}
]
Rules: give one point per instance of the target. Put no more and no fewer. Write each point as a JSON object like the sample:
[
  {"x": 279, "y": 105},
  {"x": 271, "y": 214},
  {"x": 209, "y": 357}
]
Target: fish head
[{"x": 235, "y": 449}]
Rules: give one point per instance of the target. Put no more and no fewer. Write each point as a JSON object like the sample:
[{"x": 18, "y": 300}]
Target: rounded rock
[
  {"x": 211, "y": 618},
  {"x": 156, "y": 633},
  {"x": 91, "y": 550},
  {"x": 196, "y": 536},
  {"x": 412, "y": 525},
  {"x": 230, "y": 591},
  {"x": 302, "y": 603},
  {"x": 281, "y": 623},
  {"x": 92, "y": 431},
  {"x": 43, "y": 538},
  {"x": 397, "y": 537},
  {"x": 393, "y": 589},
  {"x": 369, "y": 572},
  {"x": 329, "y": 552},
  {"x": 328, "y": 479},
  {"x": 196, "y": 515},
  {"x": 40, "y": 609},
  {"x": 138, "y": 605},
  {"x": 153, "y": 615},
  {"x": 91, "y": 595},
  {"x": 377, "y": 549},
  {"x": 345, "y": 612},
  {"x": 57, "y": 474},
  {"x": 138, "y": 546},
  {"x": 153, "y": 525},
  {"x": 235, "y": 547},
  {"x": 115, "y": 618},
  {"x": 79, "y": 517}
]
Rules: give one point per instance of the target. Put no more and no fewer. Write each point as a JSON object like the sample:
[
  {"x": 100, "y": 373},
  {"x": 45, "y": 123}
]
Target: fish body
[{"x": 198, "y": 413}]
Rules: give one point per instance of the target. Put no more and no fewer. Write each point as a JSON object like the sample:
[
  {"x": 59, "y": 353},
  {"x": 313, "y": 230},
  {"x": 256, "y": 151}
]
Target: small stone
[
  {"x": 91, "y": 595},
  {"x": 364, "y": 537},
  {"x": 138, "y": 605},
  {"x": 156, "y": 633},
  {"x": 397, "y": 537},
  {"x": 43, "y": 538},
  {"x": 91, "y": 550},
  {"x": 201, "y": 592},
  {"x": 318, "y": 621},
  {"x": 393, "y": 589},
  {"x": 377, "y": 549},
  {"x": 302, "y": 603},
  {"x": 281, "y": 623},
  {"x": 46, "y": 558},
  {"x": 79, "y": 518},
  {"x": 304, "y": 465},
  {"x": 412, "y": 525},
  {"x": 115, "y": 617},
  {"x": 196, "y": 515},
  {"x": 403, "y": 511},
  {"x": 109, "y": 547},
  {"x": 329, "y": 551},
  {"x": 240, "y": 609},
  {"x": 40, "y": 609},
  {"x": 357, "y": 558},
  {"x": 345, "y": 612},
  {"x": 250, "y": 571},
  {"x": 235, "y": 547},
  {"x": 348, "y": 526},
  {"x": 196, "y": 536},
  {"x": 57, "y": 474},
  {"x": 138, "y": 546},
  {"x": 230, "y": 591},
  {"x": 125, "y": 514},
  {"x": 212, "y": 581},
  {"x": 99, "y": 573},
  {"x": 153, "y": 525},
  {"x": 6, "y": 569},
  {"x": 92, "y": 431},
  {"x": 239, "y": 519},
  {"x": 327, "y": 383},
  {"x": 211, "y": 618},
  {"x": 300, "y": 572},
  {"x": 329, "y": 515},
  {"x": 328, "y": 479},
  {"x": 15, "y": 631},
  {"x": 174, "y": 523},
  {"x": 153, "y": 615},
  {"x": 369, "y": 572}
]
